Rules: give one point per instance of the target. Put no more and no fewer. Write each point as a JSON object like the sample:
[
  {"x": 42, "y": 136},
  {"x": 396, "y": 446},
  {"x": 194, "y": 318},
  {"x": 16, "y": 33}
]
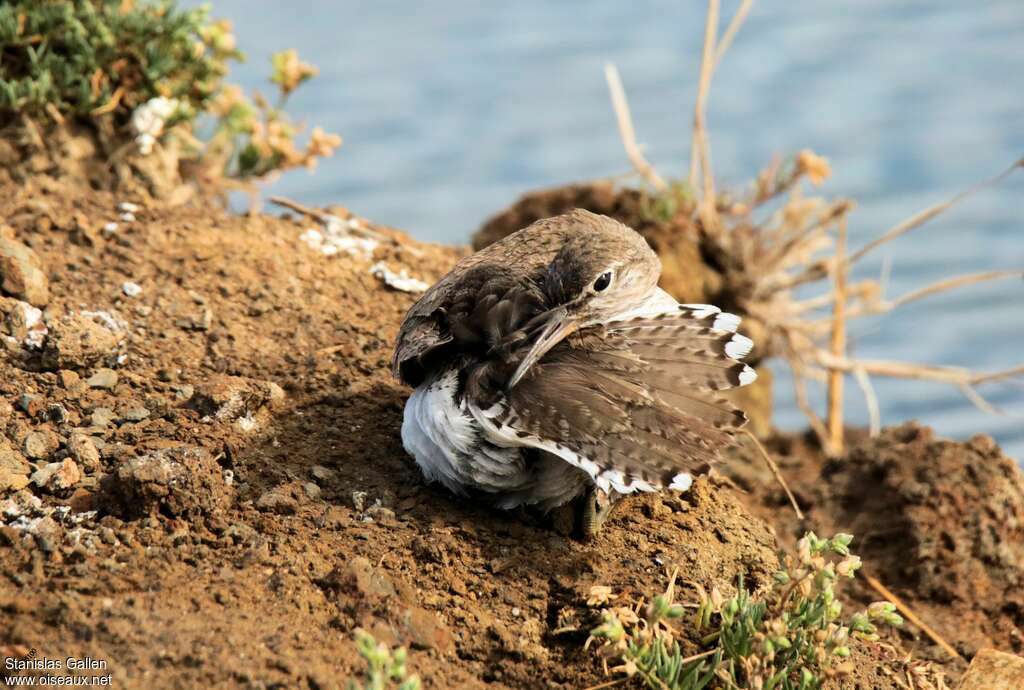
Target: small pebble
[
  {"x": 128, "y": 217},
  {"x": 131, "y": 289},
  {"x": 39, "y": 444},
  {"x": 103, "y": 378},
  {"x": 127, "y": 207},
  {"x": 134, "y": 413},
  {"x": 102, "y": 416},
  {"x": 110, "y": 228}
]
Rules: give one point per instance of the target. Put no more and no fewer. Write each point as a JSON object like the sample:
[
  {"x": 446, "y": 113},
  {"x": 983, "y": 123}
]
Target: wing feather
[{"x": 632, "y": 402}]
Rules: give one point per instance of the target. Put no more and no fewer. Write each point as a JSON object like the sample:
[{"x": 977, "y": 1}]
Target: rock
[
  {"x": 6, "y": 410},
  {"x": 57, "y": 413},
  {"x": 312, "y": 490},
  {"x": 321, "y": 473},
  {"x": 40, "y": 443},
  {"x": 30, "y": 404},
  {"x": 23, "y": 322},
  {"x": 103, "y": 378},
  {"x": 10, "y": 481},
  {"x": 14, "y": 469},
  {"x": 57, "y": 476},
  {"x": 68, "y": 379},
  {"x": 134, "y": 412},
  {"x": 21, "y": 273},
  {"x": 243, "y": 401},
  {"x": 84, "y": 451},
  {"x": 993, "y": 670},
  {"x": 102, "y": 417},
  {"x": 184, "y": 481},
  {"x": 380, "y": 513},
  {"x": 359, "y": 577},
  {"x": 278, "y": 500},
  {"x": 47, "y": 533},
  {"x": 77, "y": 341},
  {"x": 423, "y": 630}
]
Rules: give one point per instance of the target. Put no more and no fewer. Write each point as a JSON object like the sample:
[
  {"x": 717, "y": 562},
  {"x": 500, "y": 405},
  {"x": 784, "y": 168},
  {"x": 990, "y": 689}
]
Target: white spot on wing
[
  {"x": 747, "y": 376},
  {"x": 681, "y": 482},
  {"x": 726, "y": 322},
  {"x": 739, "y": 346}
]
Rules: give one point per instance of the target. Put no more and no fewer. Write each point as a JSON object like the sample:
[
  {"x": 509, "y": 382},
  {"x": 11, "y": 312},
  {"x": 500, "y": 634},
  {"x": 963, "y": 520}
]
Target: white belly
[{"x": 448, "y": 447}]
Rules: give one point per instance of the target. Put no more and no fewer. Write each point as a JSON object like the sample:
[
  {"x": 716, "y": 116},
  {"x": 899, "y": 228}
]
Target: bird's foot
[{"x": 597, "y": 506}]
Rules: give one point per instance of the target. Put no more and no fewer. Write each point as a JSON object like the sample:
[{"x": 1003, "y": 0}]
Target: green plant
[
  {"x": 148, "y": 73},
  {"x": 792, "y": 638},
  {"x": 386, "y": 668}
]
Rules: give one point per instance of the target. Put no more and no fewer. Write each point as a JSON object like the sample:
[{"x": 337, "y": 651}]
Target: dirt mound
[
  {"x": 202, "y": 482},
  {"x": 939, "y": 522}
]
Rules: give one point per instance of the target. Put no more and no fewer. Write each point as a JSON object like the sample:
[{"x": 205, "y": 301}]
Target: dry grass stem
[
  {"x": 626, "y": 131},
  {"x": 922, "y": 217},
  {"x": 882, "y": 306},
  {"x": 699, "y": 155},
  {"x": 730, "y": 31},
  {"x": 608, "y": 684},
  {"x": 774, "y": 468},
  {"x": 838, "y": 345},
  {"x": 912, "y": 617},
  {"x": 870, "y": 401}
]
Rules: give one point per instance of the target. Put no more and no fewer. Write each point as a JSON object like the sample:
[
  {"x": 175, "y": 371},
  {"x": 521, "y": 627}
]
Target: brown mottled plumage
[{"x": 550, "y": 363}]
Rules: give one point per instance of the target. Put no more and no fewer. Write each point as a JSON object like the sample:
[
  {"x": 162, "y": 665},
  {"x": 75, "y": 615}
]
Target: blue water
[{"x": 450, "y": 111}]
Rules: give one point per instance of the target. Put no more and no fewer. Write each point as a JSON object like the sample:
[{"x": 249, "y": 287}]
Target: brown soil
[
  {"x": 254, "y": 504},
  {"x": 235, "y": 429},
  {"x": 938, "y": 522}
]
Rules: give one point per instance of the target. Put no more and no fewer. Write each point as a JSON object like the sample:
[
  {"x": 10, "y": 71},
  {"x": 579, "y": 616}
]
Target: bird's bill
[{"x": 559, "y": 326}]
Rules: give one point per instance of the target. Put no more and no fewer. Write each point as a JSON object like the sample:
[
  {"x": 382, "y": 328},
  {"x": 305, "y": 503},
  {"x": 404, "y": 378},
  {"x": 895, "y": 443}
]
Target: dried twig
[
  {"x": 698, "y": 144},
  {"x": 956, "y": 376},
  {"x": 912, "y": 617},
  {"x": 322, "y": 217},
  {"x": 870, "y": 401},
  {"x": 775, "y": 473},
  {"x": 626, "y": 131},
  {"x": 608, "y": 684},
  {"x": 953, "y": 283},
  {"x": 838, "y": 344},
  {"x": 924, "y": 216},
  {"x": 730, "y": 32}
]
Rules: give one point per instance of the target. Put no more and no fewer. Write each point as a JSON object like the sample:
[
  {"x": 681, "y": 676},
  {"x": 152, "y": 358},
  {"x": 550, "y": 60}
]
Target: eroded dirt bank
[{"x": 202, "y": 483}]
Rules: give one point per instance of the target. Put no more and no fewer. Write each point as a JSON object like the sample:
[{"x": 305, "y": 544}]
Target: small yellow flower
[
  {"x": 814, "y": 166},
  {"x": 321, "y": 145},
  {"x": 289, "y": 71}
]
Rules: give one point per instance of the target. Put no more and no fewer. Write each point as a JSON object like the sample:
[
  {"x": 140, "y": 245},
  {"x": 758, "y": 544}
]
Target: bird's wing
[{"x": 631, "y": 402}]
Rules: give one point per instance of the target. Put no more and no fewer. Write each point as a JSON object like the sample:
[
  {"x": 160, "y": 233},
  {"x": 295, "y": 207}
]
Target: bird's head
[{"x": 602, "y": 270}]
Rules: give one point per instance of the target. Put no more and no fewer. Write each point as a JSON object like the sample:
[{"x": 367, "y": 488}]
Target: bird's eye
[{"x": 603, "y": 281}]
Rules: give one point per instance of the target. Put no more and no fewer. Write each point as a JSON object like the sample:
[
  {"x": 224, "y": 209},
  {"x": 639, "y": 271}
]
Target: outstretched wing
[{"x": 632, "y": 402}]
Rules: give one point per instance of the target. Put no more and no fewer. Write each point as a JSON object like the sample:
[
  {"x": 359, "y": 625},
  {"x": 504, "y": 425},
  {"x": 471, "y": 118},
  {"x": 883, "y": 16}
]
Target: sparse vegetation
[
  {"x": 791, "y": 637},
  {"x": 145, "y": 76},
  {"x": 386, "y": 667}
]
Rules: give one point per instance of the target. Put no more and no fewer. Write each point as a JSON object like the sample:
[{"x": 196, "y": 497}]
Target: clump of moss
[
  {"x": 145, "y": 75},
  {"x": 792, "y": 638},
  {"x": 386, "y": 668}
]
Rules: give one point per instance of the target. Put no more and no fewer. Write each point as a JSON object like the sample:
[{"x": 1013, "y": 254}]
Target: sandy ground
[{"x": 202, "y": 482}]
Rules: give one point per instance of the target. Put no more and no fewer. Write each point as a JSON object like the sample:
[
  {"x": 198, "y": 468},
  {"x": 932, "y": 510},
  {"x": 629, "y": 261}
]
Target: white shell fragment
[
  {"x": 336, "y": 237},
  {"x": 399, "y": 281}
]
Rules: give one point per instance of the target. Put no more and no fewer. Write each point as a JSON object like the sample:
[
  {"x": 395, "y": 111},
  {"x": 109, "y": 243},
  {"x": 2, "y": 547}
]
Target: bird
[{"x": 549, "y": 369}]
